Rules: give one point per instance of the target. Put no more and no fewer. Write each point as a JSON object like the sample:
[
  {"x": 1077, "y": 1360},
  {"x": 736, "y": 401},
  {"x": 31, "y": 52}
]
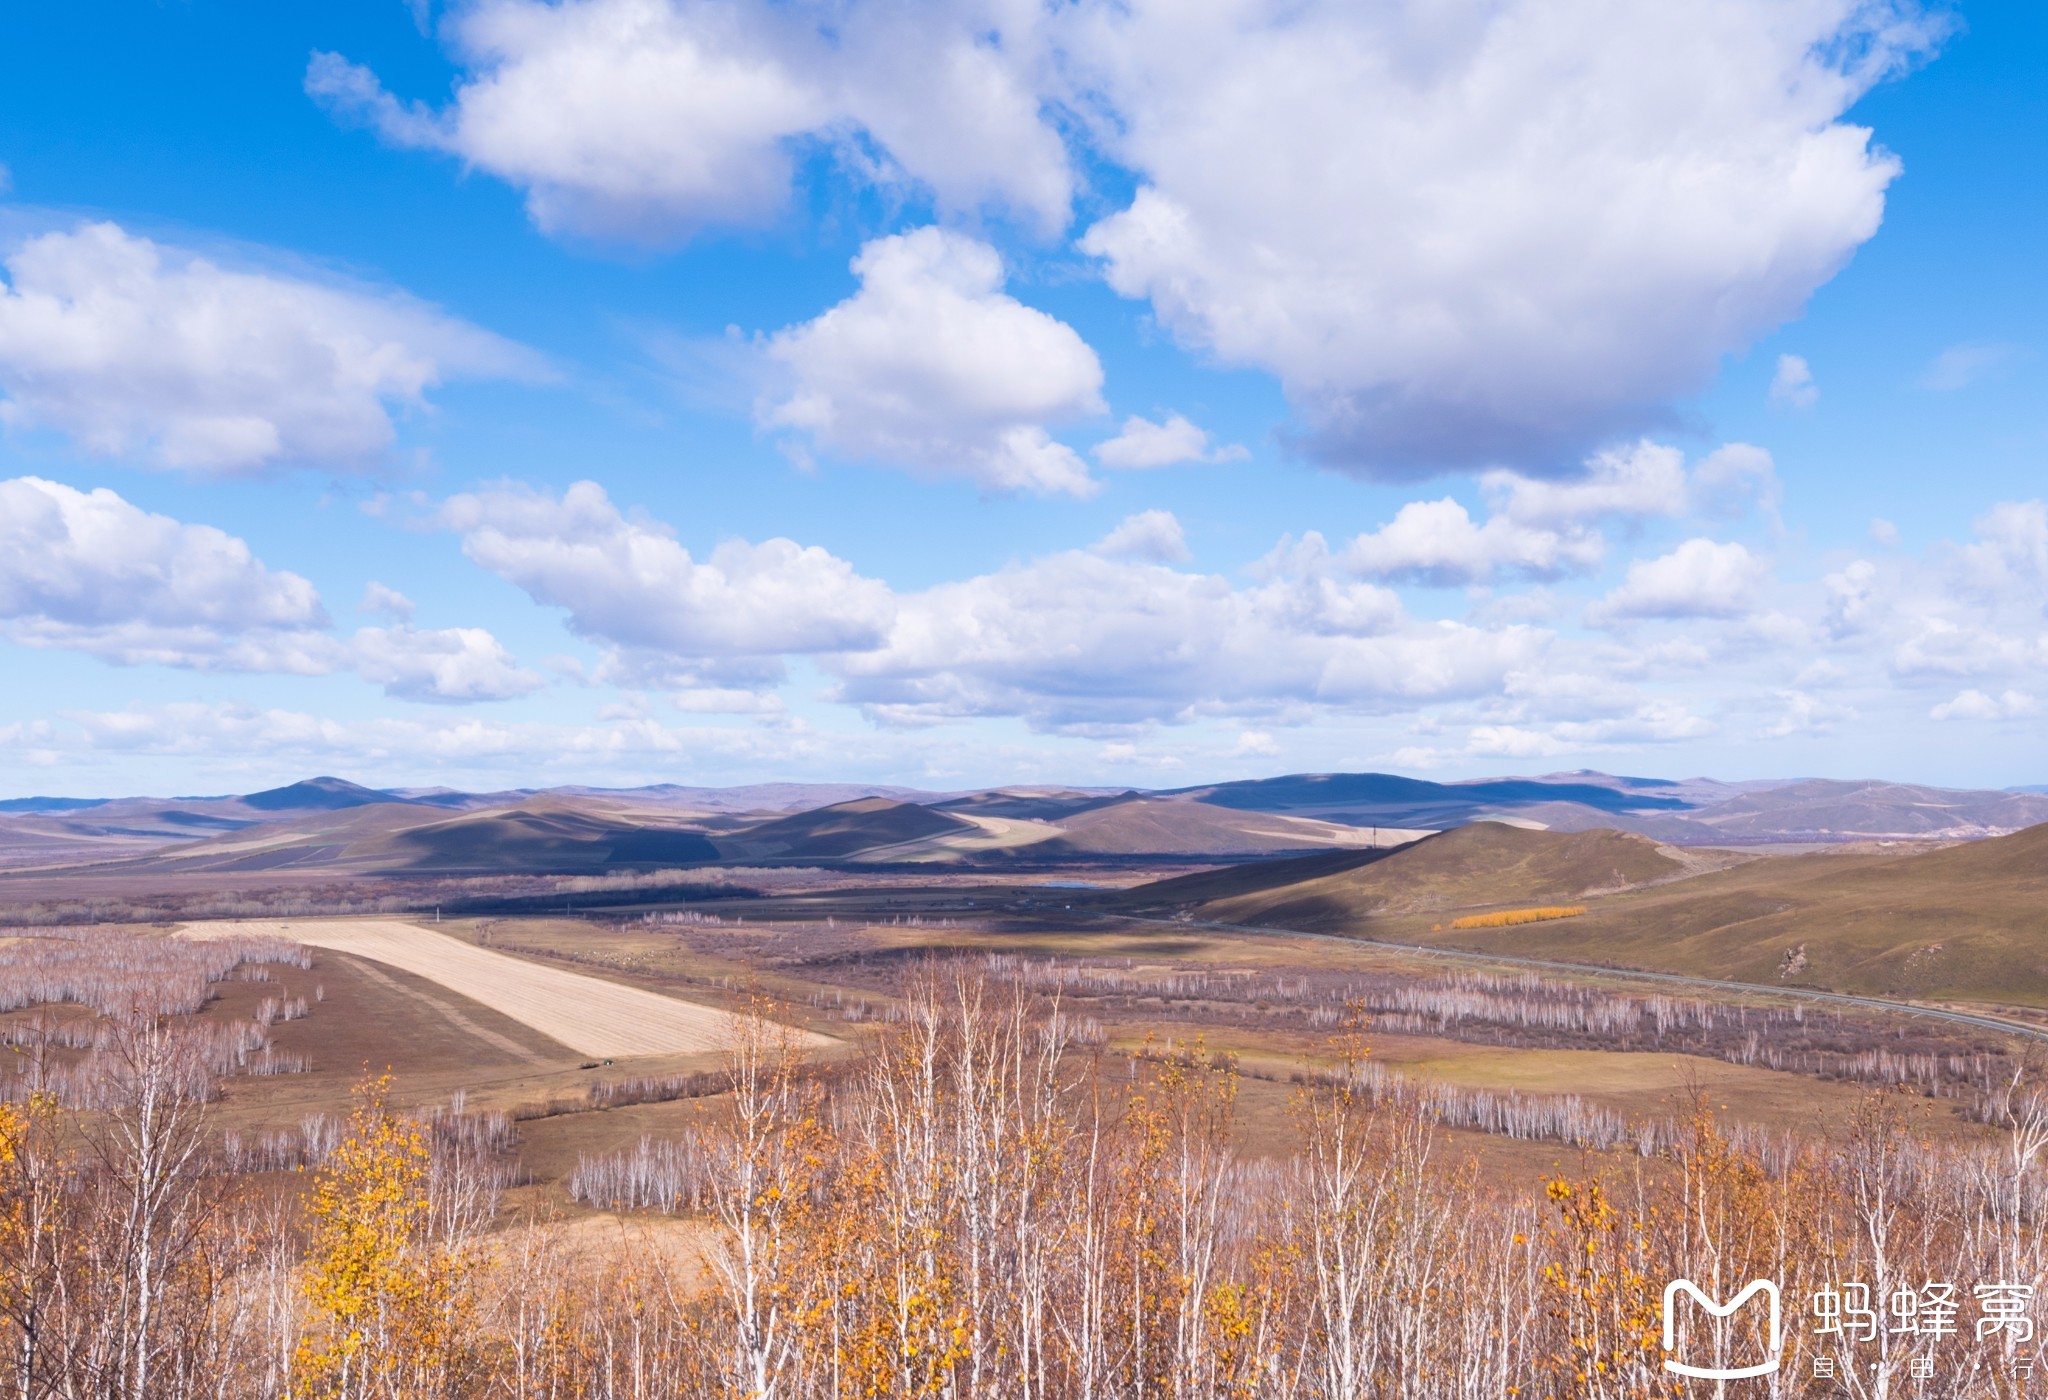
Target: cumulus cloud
[
  {"x": 1733, "y": 478},
  {"x": 932, "y": 365},
  {"x": 1111, "y": 636},
  {"x": 627, "y": 583},
  {"x": 449, "y": 665},
  {"x": 2011, "y": 548},
  {"x": 91, "y": 572},
  {"x": 1854, "y": 598},
  {"x": 381, "y": 598},
  {"x": 1700, "y": 578},
  {"x": 1144, "y": 444},
  {"x": 1975, "y": 704},
  {"x": 1438, "y": 542},
  {"x": 648, "y": 120},
  {"x": 94, "y": 573},
  {"x": 1645, "y": 479},
  {"x": 1075, "y": 642},
  {"x": 1792, "y": 384},
  {"x": 1640, "y": 481},
  {"x": 135, "y": 348},
  {"x": 1936, "y": 645},
  {"x": 1254, "y": 743},
  {"x": 1493, "y": 233},
  {"x": 1153, "y": 535},
  {"x": 1460, "y": 236},
  {"x": 1801, "y": 712},
  {"x": 1547, "y": 528}
]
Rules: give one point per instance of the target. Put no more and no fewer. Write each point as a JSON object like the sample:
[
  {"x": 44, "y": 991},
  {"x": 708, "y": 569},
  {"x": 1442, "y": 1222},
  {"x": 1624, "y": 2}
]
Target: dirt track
[{"x": 588, "y": 1014}]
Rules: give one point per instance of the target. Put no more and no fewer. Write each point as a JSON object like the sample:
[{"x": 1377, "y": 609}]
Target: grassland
[
  {"x": 513, "y": 1011},
  {"x": 851, "y": 969}
]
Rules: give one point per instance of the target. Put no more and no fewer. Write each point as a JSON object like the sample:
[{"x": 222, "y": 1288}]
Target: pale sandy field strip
[{"x": 591, "y": 1016}]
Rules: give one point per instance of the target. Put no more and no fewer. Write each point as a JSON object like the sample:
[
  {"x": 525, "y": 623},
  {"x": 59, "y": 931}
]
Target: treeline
[
  {"x": 979, "y": 1208},
  {"x": 114, "y": 976},
  {"x": 385, "y": 894},
  {"x": 1525, "y": 1011}
]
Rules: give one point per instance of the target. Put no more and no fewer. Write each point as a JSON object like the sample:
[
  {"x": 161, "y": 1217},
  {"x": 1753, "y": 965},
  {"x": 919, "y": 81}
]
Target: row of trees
[{"x": 977, "y": 1208}]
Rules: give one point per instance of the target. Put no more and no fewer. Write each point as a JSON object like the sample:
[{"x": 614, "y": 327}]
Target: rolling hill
[
  {"x": 1959, "y": 922},
  {"x": 841, "y": 831},
  {"x": 299, "y": 829},
  {"x": 1136, "y": 825},
  {"x": 1470, "y": 867},
  {"x": 1821, "y": 810},
  {"x": 1695, "y": 811},
  {"x": 542, "y": 835},
  {"x": 316, "y": 795}
]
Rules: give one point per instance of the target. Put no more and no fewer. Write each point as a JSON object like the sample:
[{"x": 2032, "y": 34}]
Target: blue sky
[{"x": 622, "y": 391}]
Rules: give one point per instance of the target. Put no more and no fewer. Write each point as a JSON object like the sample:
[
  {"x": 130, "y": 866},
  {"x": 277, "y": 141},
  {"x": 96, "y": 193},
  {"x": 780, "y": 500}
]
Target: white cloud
[
  {"x": 1644, "y": 479},
  {"x": 1461, "y": 236},
  {"x": 1975, "y": 704},
  {"x": 1700, "y": 578},
  {"x": 1544, "y": 527},
  {"x": 1638, "y": 481},
  {"x": 1107, "y": 637},
  {"x": 274, "y": 736},
  {"x": 1480, "y": 234},
  {"x": 1254, "y": 743},
  {"x": 381, "y": 598},
  {"x": 710, "y": 700},
  {"x": 1853, "y": 598},
  {"x": 132, "y": 347},
  {"x": 1960, "y": 366},
  {"x": 1437, "y": 542},
  {"x": 647, "y": 120},
  {"x": 1153, "y": 535},
  {"x": 1883, "y": 532},
  {"x": 1733, "y": 478},
  {"x": 629, "y": 584},
  {"x": 450, "y": 664},
  {"x": 1804, "y": 713},
  {"x": 1646, "y": 723},
  {"x": 89, "y": 571},
  {"x": 1942, "y": 646},
  {"x": 1144, "y": 444},
  {"x": 1074, "y": 642},
  {"x": 94, "y": 573},
  {"x": 1792, "y": 385},
  {"x": 933, "y": 366},
  {"x": 2011, "y": 549}
]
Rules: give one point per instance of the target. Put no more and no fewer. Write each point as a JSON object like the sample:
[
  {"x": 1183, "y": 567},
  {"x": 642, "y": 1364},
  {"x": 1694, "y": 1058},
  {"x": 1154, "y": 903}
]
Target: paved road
[{"x": 1903, "y": 1008}]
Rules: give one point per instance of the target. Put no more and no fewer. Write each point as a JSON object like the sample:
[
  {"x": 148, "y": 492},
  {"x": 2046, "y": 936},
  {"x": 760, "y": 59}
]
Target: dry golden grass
[
  {"x": 1508, "y": 918},
  {"x": 590, "y": 1015}
]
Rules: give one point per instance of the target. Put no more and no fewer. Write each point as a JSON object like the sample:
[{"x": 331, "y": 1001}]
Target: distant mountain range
[{"x": 332, "y": 824}]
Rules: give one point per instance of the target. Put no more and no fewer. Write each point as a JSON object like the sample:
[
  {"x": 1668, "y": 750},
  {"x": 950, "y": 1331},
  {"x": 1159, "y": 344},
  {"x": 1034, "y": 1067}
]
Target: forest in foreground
[{"x": 981, "y": 1204}]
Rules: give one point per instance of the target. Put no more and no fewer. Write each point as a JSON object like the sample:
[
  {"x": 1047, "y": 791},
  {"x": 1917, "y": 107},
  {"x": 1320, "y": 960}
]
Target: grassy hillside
[
  {"x": 1966, "y": 922},
  {"x": 1476, "y": 866}
]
